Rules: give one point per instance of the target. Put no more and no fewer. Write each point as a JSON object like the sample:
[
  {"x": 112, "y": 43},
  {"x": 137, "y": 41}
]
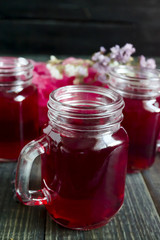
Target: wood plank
[
  {"x": 16, "y": 220},
  {"x": 53, "y": 37},
  {"x": 123, "y": 13},
  {"x": 152, "y": 179},
  {"x": 78, "y": 27},
  {"x": 137, "y": 220},
  {"x": 110, "y": 10},
  {"x": 74, "y": 38}
]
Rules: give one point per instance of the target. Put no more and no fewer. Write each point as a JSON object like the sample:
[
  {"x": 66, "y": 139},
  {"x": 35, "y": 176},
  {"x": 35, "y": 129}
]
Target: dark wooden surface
[
  {"x": 138, "y": 219},
  {"x": 78, "y": 27}
]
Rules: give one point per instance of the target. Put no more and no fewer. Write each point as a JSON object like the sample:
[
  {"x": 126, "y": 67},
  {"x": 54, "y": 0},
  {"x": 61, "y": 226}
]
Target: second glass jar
[
  {"x": 18, "y": 106},
  {"x": 140, "y": 88}
]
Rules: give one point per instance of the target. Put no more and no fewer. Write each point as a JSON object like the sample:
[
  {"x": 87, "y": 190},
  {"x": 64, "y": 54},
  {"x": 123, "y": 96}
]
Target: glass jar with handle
[{"x": 83, "y": 154}]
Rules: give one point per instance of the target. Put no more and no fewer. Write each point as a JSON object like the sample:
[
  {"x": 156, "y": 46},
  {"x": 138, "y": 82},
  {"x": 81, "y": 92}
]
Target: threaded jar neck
[
  {"x": 131, "y": 81},
  {"x": 15, "y": 71},
  {"x": 87, "y": 109}
]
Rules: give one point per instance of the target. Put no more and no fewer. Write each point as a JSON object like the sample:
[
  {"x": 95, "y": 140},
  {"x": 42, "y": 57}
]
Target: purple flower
[
  {"x": 102, "y": 78},
  {"x": 104, "y": 60},
  {"x": 123, "y": 54},
  {"x": 102, "y": 49},
  {"x": 101, "y": 62},
  {"x": 98, "y": 56},
  {"x": 147, "y": 63},
  {"x": 115, "y": 51},
  {"x": 100, "y": 68}
]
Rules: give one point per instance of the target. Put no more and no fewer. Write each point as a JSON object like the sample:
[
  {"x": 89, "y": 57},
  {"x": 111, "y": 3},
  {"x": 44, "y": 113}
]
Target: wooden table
[{"x": 138, "y": 219}]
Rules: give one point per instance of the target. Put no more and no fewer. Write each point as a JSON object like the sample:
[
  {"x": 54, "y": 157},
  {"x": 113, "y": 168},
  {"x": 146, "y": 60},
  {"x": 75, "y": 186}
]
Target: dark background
[{"x": 78, "y": 27}]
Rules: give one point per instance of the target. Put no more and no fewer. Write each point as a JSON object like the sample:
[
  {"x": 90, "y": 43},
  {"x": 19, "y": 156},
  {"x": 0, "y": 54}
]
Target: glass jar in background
[
  {"x": 83, "y": 153},
  {"x": 18, "y": 106},
  {"x": 140, "y": 88}
]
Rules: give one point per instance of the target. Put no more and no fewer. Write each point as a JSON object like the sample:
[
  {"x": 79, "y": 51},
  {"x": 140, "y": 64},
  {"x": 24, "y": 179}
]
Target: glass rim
[
  {"x": 12, "y": 65},
  {"x": 15, "y": 71},
  {"x": 109, "y": 108},
  {"x": 121, "y": 72}
]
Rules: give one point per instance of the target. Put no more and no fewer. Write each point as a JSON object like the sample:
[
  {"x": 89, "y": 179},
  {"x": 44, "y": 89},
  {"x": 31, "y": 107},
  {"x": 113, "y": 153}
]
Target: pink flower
[
  {"x": 91, "y": 78},
  {"x": 147, "y": 63},
  {"x": 72, "y": 60},
  {"x": 43, "y": 80},
  {"x": 57, "y": 73},
  {"x": 54, "y": 74}
]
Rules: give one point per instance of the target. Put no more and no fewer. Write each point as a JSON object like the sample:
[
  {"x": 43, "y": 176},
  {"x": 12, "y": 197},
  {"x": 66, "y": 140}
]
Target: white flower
[
  {"x": 54, "y": 71},
  {"x": 76, "y": 81},
  {"x": 53, "y": 58},
  {"x": 82, "y": 71},
  {"x": 70, "y": 70},
  {"x": 79, "y": 70}
]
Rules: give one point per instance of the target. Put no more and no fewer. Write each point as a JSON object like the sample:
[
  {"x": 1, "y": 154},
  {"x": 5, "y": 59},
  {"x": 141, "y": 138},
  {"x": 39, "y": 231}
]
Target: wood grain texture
[
  {"x": 78, "y": 27},
  {"x": 81, "y": 10},
  {"x": 137, "y": 220},
  {"x": 152, "y": 179},
  {"x": 54, "y": 37},
  {"x": 17, "y": 221}
]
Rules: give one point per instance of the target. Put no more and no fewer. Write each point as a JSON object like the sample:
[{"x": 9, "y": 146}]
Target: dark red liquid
[
  {"x": 85, "y": 178},
  {"x": 18, "y": 120},
  {"x": 142, "y": 123}
]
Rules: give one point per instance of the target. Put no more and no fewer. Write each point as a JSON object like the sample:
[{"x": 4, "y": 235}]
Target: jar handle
[{"x": 25, "y": 162}]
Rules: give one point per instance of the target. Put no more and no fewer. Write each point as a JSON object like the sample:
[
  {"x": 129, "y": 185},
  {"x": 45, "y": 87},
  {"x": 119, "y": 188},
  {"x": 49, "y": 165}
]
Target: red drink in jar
[
  {"x": 144, "y": 134},
  {"x": 140, "y": 90},
  {"x": 18, "y": 107},
  {"x": 83, "y": 156},
  {"x": 85, "y": 178}
]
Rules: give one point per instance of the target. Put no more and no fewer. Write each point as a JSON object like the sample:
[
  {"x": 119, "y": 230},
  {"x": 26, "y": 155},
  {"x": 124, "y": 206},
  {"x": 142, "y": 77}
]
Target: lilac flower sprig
[
  {"x": 148, "y": 63},
  {"x": 102, "y": 62},
  {"x": 116, "y": 55},
  {"x": 122, "y": 55}
]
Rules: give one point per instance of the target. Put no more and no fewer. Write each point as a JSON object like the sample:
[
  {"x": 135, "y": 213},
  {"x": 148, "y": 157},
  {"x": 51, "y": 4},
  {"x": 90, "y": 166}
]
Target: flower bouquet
[{"x": 73, "y": 71}]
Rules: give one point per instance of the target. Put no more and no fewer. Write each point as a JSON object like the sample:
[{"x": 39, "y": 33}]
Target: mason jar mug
[
  {"x": 18, "y": 107},
  {"x": 83, "y": 154},
  {"x": 140, "y": 88}
]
